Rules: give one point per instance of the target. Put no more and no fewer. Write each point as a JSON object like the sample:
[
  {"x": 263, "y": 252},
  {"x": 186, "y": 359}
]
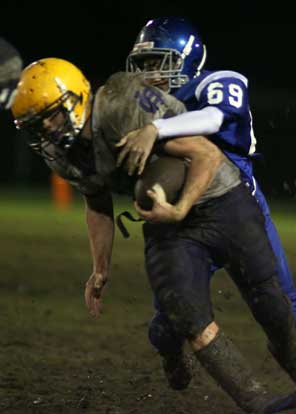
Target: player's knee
[
  {"x": 265, "y": 295},
  {"x": 187, "y": 316},
  {"x": 162, "y": 335},
  {"x": 205, "y": 337},
  {"x": 271, "y": 308}
]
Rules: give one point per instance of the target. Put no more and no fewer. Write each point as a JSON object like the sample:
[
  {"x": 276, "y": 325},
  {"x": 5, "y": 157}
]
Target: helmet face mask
[
  {"x": 52, "y": 127},
  {"x": 158, "y": 64},
  {"x": 176, "y": 40},
  {"x": 52, "y": 104}
]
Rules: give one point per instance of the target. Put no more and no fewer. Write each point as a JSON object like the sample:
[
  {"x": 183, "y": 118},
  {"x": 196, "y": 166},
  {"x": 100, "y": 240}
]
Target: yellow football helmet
[{"x": 46, "y": 88}]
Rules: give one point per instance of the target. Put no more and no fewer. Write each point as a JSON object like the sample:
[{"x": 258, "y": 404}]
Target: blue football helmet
[{"x": 174, "y": 44}]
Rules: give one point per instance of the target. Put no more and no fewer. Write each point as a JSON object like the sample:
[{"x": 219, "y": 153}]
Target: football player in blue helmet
[
  {"x": 10, "y": 70},
  {"x": 171, "y": 53}
]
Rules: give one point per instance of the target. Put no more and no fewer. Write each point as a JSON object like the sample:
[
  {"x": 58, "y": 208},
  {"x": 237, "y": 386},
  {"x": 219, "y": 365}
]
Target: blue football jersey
[{"x": 228, "y": 91}]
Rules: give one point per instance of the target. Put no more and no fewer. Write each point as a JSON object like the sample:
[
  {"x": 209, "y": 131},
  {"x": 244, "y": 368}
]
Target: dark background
[{"x": 97, "y": 37}]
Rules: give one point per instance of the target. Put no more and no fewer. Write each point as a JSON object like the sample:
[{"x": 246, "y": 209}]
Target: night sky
[{"x": 97, "y": 37}]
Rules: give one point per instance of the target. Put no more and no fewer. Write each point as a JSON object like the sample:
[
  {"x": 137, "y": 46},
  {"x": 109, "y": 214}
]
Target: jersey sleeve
[{"x": 230, "y": 95}]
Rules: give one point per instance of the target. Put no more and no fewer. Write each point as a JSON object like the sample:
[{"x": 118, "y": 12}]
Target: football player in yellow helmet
[
  {"x": 10, "y": 69},
  {"x": 54, "y": 92},
  {"x": 54, "y": 102}
]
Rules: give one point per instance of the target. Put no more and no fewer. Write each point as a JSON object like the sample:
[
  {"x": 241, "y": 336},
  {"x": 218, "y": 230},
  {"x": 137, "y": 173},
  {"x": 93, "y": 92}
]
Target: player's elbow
[
  {"x": 206, "y": 150},
  {"x": 100, "y": 203},
  {"x": 215, "y": 117},
  {"x": 208, "y": 161}
]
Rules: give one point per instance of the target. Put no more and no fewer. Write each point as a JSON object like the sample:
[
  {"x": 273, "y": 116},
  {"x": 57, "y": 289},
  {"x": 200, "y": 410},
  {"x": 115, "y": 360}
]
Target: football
[{"x": 165, "y": 175}]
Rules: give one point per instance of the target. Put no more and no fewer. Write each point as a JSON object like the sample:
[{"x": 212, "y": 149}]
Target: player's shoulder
[
  {"x": 122, "y": 88},
  {"x": 122, "y": 80},
  {"x": 221, "y": 76},
  {"x": 116, "y": 91}
]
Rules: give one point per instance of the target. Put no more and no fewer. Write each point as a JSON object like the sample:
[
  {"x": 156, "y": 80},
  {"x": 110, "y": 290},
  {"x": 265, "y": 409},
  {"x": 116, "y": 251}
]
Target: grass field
[{"x": 56, "y": 359}]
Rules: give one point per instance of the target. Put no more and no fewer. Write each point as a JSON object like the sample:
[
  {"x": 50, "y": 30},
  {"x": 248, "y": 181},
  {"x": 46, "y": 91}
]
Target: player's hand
[
  {"x": 93, "y": 293},
  {"x": 162, "y": 211},
  {"x": 137, "y": 146}
]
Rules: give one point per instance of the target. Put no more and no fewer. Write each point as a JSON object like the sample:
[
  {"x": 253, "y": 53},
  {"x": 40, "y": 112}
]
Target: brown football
[{"x": 165, "y": 174}]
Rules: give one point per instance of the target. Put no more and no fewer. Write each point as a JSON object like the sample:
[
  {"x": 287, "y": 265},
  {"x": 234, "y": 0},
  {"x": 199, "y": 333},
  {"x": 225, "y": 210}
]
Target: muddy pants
[{"x": 228, "y": 231}]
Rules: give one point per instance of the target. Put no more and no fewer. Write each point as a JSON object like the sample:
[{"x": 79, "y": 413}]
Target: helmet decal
[{"x": 188, "y": 46}]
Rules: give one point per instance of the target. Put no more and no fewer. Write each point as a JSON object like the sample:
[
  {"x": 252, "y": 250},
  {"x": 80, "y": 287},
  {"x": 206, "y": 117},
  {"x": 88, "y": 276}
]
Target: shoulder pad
[{"x": 221, "y": 74}]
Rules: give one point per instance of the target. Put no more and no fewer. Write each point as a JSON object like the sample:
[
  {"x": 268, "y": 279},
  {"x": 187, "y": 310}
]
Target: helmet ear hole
[{"x": 194, "y": 64}]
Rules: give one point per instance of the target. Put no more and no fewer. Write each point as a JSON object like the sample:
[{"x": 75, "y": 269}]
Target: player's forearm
[
  {"x": 200, "y": 174},
  {"x": 206, "y": 121},
  {"x": 101, "y": 235},
  {"x": 205, "y": 160}
]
